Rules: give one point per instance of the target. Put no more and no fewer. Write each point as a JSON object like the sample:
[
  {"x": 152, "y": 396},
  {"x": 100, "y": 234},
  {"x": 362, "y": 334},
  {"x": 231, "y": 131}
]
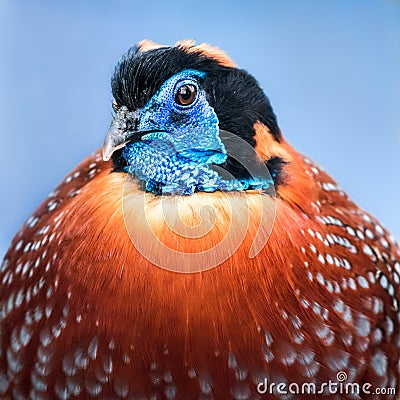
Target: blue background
[{"x": 330, "y": 68}]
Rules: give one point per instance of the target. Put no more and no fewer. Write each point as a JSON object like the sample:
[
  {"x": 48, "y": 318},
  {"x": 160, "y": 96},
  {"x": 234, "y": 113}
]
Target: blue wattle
[{"x": 164, "y": 170}]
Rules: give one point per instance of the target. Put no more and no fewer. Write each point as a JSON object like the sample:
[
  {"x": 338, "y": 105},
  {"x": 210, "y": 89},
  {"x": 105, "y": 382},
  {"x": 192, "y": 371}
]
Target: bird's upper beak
[{"x": 122, "y": 130}]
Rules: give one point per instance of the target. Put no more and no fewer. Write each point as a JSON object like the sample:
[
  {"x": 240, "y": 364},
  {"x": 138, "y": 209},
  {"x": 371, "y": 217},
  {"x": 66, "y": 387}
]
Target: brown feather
[{"x": 215, "y": 331}]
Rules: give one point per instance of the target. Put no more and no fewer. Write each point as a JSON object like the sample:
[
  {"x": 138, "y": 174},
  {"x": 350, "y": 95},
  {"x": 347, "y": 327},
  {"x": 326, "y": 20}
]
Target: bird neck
[{"x": 166, "y": 171}]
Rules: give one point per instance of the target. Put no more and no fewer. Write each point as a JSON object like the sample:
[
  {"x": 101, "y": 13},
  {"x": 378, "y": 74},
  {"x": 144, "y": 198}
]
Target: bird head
[{"x": 178, "y": 111}]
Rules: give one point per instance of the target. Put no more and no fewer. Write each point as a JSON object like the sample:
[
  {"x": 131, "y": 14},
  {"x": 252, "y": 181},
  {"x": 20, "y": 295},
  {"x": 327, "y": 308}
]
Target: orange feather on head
[{"x": 109, "y": 290}]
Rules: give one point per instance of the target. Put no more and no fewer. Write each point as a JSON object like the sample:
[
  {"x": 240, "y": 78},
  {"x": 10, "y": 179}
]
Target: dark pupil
[{"x": 185, "y": 92}]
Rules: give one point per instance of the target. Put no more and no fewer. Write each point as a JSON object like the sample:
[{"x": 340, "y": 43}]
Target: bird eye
[{"x": 186, "y": 95}]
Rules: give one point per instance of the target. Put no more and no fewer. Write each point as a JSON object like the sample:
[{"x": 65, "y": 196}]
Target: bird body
[{"x": 132, "y": 282}]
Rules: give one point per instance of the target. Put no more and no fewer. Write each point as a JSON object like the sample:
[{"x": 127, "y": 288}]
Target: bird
[{"x": 198, "y": 255}]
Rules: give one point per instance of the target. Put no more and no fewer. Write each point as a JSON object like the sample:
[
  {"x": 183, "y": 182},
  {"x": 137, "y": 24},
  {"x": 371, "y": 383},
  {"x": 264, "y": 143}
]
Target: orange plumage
[{"x": 86, "y": 311}]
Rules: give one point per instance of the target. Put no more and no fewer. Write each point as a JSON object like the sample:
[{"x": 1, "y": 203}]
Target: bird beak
[
  {"x": 120, "y": 133},
  {"x": 116, "y": 139}
]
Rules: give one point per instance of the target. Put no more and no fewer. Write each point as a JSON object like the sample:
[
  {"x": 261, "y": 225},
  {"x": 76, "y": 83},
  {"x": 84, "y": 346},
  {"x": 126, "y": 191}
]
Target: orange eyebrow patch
[
  {"x": 208, "y": 51},
  {"x": 189, "y": 46},
  {"x": 146, "y": 45}
]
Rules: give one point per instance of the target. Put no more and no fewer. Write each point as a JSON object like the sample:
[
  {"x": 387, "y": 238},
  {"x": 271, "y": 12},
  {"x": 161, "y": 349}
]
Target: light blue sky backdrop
[{"x": 330, "y": 68}]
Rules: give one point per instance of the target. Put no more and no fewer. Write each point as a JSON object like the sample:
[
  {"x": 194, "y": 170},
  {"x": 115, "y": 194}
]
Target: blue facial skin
[{"x": 175, "y": 157}]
